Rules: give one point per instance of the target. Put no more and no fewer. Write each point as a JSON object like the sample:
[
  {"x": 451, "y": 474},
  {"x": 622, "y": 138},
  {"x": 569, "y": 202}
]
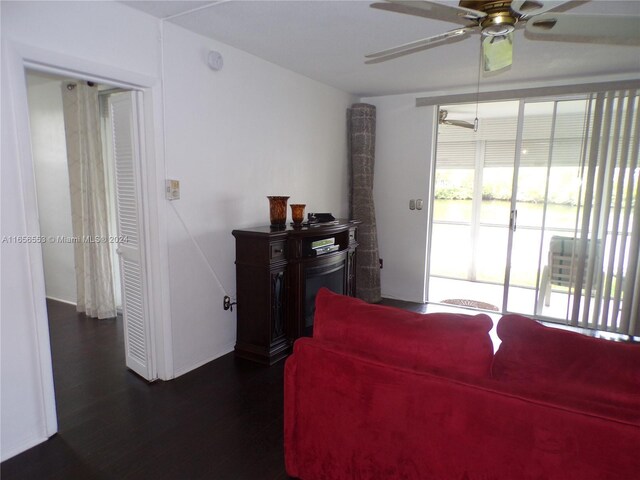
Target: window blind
[{"x": 610, "y": 214}]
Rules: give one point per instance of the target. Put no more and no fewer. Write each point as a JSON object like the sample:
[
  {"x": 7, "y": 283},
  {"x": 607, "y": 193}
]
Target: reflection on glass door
[{"x": 472, "y": 203}]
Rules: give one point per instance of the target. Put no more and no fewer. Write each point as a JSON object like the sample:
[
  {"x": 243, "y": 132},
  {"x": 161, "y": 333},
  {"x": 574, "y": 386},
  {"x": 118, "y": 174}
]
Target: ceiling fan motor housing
[
  {"x": 497, "y": 25},
  {"x": 499, "y": 21}
]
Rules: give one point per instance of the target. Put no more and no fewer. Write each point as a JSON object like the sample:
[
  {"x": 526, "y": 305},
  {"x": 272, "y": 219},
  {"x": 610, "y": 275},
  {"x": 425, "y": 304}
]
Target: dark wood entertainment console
[{"x": 278, "y": 274}]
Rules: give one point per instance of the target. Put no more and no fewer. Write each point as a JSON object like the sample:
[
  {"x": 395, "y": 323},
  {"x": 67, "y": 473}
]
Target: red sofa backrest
[
  {"x": 567, "y": 364},
  {"x": 436, "y": 341}
]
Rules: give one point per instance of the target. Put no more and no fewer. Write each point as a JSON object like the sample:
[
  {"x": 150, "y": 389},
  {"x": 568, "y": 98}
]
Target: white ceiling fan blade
[
  {"x": 416, "y": 46},
  {"x": 418, "y": 12},
  {"x": 459, "y": 123},
  {"x": 597, "y": 28},
  {"x": 529, "y": 8},
  {"x": 440, "y": 10},
  {"x": 442, "y": 120},
  {"x": 497, "y": 52}
]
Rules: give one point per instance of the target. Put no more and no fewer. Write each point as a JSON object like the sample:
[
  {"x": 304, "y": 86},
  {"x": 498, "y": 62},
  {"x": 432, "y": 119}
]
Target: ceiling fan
[
  {"x": 497, "y": 19},
  {"x": 442, "y": 120}
]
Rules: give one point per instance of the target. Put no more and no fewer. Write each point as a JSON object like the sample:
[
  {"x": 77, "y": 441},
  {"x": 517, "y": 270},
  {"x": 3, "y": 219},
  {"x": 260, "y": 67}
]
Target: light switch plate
[
  {"x": 419, "y": 204},
  {"x": 172, "y": 189},
  {"x": 412, "y": 204}
]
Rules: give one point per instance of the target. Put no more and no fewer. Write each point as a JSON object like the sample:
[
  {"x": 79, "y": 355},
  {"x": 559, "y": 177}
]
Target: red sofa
[{"x": 382, "y": 393}]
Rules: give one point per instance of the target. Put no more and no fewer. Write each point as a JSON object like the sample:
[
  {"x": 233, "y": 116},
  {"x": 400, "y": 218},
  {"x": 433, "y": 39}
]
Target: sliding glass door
[
  {"x": 537, "y": 211},
  {"x": 472, "y": 195},
  {"x": 547, "y": 161}
]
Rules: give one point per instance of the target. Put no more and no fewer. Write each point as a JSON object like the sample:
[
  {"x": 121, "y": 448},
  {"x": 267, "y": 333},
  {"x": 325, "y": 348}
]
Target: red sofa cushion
[
  {"x": 441, "y": 341},
  {"x": 349, "y": 418},
  {"x": 566, "y": 363}
]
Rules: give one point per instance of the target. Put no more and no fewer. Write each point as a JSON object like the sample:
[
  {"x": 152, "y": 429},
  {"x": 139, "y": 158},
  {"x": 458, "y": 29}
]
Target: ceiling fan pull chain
[{"x": 475, "y": 121}]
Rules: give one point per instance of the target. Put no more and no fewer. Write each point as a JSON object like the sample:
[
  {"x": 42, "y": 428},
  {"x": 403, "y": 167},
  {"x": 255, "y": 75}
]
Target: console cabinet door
[
  {"x": 278, "y": 306},
  {"x": 351, "y": 273}
]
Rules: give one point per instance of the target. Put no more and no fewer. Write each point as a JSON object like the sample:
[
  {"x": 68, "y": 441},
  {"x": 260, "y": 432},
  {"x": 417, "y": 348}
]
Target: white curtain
[
  {"x": 608, "y": 244},
  {"x": 110, "y": 181},
  {"x": 89, "y": 205}
]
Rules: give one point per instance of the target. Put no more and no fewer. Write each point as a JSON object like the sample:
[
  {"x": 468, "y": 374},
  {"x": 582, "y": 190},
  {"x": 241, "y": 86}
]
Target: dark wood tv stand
[{"x": 277, "y": 277}]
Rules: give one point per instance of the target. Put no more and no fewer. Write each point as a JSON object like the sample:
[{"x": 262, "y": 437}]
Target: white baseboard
[
  {"x": 223, "y": 351},
  {"x": 61, "y": 300},
  {"x": 118, "y": 308},
  {"x": 21, "y": 447}
]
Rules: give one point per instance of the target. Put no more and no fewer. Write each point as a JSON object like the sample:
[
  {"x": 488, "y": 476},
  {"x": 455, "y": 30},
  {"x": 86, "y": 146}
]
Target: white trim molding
[
  {"x": 517, "y": 93},
  {"x": 17, "y": 58}
]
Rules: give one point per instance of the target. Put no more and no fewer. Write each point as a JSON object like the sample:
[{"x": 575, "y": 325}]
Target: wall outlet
[
  {"x": 381, "y": 264},
  {"x": 226, "y": 303},
  {"x": 172, "y": 189}
]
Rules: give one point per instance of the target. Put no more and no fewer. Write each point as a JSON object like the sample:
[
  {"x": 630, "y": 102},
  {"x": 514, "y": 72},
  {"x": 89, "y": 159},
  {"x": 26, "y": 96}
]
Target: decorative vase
[
  {"x": 297, "y": 213},
  {"x": 278, "y": 211}
]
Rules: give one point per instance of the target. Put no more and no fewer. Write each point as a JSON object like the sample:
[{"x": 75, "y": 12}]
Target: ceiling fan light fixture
[{"x": 497, "y": 52}]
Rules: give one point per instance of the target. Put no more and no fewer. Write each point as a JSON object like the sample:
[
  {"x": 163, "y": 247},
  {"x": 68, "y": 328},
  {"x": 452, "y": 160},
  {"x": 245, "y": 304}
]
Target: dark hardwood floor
[{"x": 221, "y": 421}]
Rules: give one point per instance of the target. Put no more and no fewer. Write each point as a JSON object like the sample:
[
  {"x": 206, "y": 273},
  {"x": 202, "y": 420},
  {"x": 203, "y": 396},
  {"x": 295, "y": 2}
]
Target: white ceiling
[{"x": 327, "y": 41}]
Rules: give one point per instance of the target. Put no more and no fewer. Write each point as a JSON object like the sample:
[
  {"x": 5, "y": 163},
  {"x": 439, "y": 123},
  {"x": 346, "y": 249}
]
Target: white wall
[
  {"x": 404, "y": 137},
  {"x": 22, "y": 419},
  {"x": 104, "y": 36},
  {"x": 233, "y": 137},
  {"x": 52, "y": 185}
]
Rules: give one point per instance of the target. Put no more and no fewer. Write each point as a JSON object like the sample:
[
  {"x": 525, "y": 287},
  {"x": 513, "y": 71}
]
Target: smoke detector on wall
[{"x": 214, "y": 60}]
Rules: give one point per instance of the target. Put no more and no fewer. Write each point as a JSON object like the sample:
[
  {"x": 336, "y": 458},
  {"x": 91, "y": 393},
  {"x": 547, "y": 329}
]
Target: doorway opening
[
  {"x": 53, "y": 168},
  {"x": 70, "y": 167}
]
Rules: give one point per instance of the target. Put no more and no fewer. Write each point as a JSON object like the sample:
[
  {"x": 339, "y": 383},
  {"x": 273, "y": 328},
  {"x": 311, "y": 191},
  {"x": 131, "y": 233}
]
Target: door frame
[
  {"x": 20, "y": 57},
  {"x": 517, "y": 163},
  {"x": 514, "y": 201}
]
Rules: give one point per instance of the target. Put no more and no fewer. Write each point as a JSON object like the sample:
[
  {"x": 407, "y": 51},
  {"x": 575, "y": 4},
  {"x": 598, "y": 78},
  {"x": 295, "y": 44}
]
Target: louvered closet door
[{"x": 126, "y": 153}]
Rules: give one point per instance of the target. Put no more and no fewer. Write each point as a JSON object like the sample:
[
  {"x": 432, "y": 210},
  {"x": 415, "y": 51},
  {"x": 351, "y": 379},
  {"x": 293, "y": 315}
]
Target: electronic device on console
[{"x": 313, "y": 218}]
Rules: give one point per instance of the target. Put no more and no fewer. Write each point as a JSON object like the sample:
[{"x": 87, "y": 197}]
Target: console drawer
[{"x": 277, "y": 251}]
